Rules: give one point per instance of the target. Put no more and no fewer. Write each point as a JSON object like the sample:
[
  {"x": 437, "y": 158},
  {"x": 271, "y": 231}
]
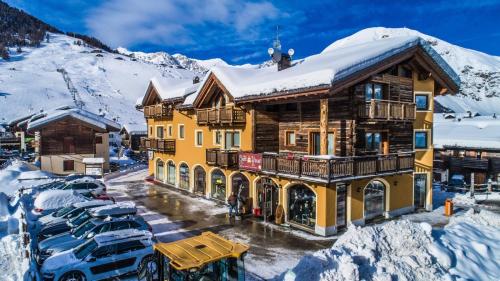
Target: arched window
[
  {"x": 302, "y": 205},
  {"x": 240, "y": 186},
  {"x": 159, "y": 175},
  {"x": 184, "y": 176},
  {"x": 171, "y": 172},
  {"x": 374, "y": 204},
  {"x": 200, "y": 179},
  {"x": 218, "y": 185}
]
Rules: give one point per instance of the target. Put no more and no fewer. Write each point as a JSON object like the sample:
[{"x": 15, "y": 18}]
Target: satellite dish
[
  {"x": 270, "y": 51},
  {"x": 291, "y": 52}
]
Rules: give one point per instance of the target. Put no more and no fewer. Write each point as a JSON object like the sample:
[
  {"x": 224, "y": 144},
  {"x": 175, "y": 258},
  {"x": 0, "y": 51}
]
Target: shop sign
[
  {"x": 250, "y": 161},
  {"x": 93, "y": 171}
]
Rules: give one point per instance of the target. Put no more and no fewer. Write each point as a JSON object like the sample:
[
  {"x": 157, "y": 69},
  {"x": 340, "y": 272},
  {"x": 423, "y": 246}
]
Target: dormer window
[{"x": 373, "y": 91}]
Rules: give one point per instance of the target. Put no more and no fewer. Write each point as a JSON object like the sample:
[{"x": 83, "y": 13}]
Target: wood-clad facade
[{"x": 324, "y": 157}]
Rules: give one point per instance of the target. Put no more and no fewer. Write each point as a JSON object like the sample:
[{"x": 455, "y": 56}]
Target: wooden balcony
[
  {"x": 158, "y": 111},
  {"x": 387, "y": 110},
  {"x": 218, "y": 116},
  {"x": 329, "y": 169},
  {"x": 160, "y": 145},
  {"x": 222, "y": 158}
]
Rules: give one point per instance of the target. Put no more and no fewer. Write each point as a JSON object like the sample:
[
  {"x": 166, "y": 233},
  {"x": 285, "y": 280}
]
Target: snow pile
[
  {"x": 53, "y": 199},
  {"x": 468, "y": 248},
  {"x": 12, "y": 263},
  {"x": 9, "y": 175},
  {"x": 383, "y": 252}
]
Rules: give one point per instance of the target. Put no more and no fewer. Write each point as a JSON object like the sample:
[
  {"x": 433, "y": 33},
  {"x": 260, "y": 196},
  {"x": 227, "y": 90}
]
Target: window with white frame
[
  {"x": 159, "y": 132},
  {"x": 217, "y": 137},
  {"x": 181, "y": 131},
  {"x": 170, "y": 131},
  {"x": 199, "y": 138},
  {"x": 232, "y": 140},
  {"x": 422, "y": 101}
]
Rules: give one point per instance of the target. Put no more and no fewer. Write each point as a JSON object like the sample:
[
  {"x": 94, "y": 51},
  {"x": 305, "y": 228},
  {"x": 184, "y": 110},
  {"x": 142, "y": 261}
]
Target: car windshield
[
  {"x": 86, "y": 248},
  {"x": 83, "y": 229},
  {"x": 456, "y": 182},
  {"x": 77, "y": 221},
  {"x": 64, "y": 211}
]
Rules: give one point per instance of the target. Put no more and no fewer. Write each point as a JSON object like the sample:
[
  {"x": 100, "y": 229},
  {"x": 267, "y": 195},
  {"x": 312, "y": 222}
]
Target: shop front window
[
  {"x": 171, "y": 172},
  {"x": 218, "y": 185},
  {"x": 199, "y": 180},
  {"x": 184, "y": 176},
  {"x": 159, "y": 170},
  {"x": 302, "y": 205},
  {"x": 374, "y": 199},
  {"x": 240, "y": 187}
]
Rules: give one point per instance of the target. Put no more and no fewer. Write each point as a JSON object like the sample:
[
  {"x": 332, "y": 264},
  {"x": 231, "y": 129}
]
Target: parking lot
[{"x": 175, "y": 215}]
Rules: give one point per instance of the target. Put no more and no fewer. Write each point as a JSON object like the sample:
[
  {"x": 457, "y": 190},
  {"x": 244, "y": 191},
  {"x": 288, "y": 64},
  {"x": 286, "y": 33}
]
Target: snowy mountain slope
[
  {"x": 479, "y": 72},
  {"x": 106, "y": 83},
  {"x": 174, "y": 61}
]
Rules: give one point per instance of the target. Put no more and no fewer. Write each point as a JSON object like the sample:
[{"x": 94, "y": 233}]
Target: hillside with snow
[
  {"x": 63, "y": 73},
  {"x": 479, "y": 72}
]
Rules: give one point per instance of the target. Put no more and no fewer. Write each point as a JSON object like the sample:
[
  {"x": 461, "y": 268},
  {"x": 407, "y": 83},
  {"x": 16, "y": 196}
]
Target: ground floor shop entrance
[
  {"x": 267, "y": 199},
  {"x": 240, "y": 187},
  {"x": 419, "y": 190},
  {"x": 200, "y": 178},
  {"x": 218, "y": 181},
  {"x": 302, "y": 206},
  {"x": 374, "y": 202}
]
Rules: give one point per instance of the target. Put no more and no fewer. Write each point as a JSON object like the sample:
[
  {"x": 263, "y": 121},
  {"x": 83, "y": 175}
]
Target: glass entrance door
[
  {"x": 267, "y": 198},
  {"x": 341, "y": 205},
  {"x": 419, "y": 190},
  {"x": 315, "y": 143}
]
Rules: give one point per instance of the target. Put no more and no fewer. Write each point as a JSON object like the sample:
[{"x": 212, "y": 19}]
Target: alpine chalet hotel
[{"x": 339, "y": 138}]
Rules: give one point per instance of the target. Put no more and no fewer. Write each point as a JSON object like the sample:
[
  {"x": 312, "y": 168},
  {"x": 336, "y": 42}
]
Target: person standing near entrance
[{"x": 232, "y": 200}]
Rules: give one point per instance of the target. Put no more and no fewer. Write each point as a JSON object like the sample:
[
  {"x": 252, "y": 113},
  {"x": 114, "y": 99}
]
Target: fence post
[{"x": 472, "y": 185}]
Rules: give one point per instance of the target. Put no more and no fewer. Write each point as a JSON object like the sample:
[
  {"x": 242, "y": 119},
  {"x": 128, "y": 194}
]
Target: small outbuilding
[
  {"x": 131, "y": 134},
  {"x": 68, "y": 135}
]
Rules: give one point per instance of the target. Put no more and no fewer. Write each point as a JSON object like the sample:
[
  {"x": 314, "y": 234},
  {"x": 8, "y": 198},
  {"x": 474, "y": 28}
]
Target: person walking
[{"x": 233, "y": 202}]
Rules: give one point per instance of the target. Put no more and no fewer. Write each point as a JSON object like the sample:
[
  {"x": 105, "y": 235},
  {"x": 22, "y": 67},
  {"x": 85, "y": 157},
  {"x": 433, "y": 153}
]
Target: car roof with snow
[
  {"x": 115, "y": 219},
  {"x": 56, "y": 198},
  {"x": 86, "y": 180},
  {"x": 124, "y": 235},
  {"x": 92, "y": 203},
  {"x": 120, "y": 208}
]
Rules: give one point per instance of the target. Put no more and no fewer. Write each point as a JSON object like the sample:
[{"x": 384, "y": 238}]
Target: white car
[
  {"x": 85, "y": 186},
  {"x": 51, "y": 200},
  {"x": 107, "y": 255}
]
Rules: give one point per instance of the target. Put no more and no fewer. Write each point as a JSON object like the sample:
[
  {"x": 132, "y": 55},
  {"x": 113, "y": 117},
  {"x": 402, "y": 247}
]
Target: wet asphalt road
[{"x": 176, "y": 214}]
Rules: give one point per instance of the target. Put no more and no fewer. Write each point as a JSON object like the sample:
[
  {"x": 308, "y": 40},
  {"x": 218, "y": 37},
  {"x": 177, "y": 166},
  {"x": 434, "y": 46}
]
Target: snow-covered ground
[
  {"x": 468, "y": 248},
  {"x": 421, "y": 246}
]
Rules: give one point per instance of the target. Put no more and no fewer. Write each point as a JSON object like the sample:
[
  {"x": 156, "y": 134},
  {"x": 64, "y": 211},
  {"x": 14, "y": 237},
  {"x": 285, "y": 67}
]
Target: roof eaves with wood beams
[{"x": 209, "y": 88}]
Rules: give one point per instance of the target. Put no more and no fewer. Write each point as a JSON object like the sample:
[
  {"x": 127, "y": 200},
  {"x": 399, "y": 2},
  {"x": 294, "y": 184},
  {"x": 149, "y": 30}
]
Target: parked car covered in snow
[
  {"x": 79, "y": 235},
  {"x": 71, "y": 211},
  {"x": 106, "y": 255},
  {"x": 84, "y": 185},
  {"x": 113, "y": 210},
  {"x": 457, "y": 183},
  {"x": 51, "y": 200}
]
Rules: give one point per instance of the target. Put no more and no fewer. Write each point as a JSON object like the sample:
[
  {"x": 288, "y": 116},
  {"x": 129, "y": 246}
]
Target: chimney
[
  {"x": 283, "y": 61},
  {"x": 196, "y": 80}
]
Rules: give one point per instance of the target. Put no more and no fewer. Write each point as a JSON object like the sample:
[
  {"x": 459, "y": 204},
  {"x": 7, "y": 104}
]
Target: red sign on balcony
[{"x": 250, "y": 161}]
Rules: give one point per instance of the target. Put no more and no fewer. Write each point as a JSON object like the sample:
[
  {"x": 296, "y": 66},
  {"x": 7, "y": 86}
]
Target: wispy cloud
[{"x": 178, "y": 22}]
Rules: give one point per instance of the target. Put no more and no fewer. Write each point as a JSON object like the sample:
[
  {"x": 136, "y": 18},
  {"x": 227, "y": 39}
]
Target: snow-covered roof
[
  {"x": 173, "y": 88},
  {"x": 122, "y": 235},
  {"x": 319, "y": 70},
  {"x": 44, "y": 118},
  {"x": 480, "y": 132},
  {"x": 135, "y": 128},
  {"x": 93, "y": 160}
]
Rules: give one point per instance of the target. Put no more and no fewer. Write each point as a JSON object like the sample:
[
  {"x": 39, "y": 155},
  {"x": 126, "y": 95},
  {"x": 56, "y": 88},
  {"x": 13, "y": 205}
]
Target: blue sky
[{"x": 240, "y": 31}]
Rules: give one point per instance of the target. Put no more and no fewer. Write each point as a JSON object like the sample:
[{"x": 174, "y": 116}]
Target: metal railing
[
  {"x": 224, "y": 115},
  {"x": 332, "y": 168},
  {"x": 387, "y": 110}
]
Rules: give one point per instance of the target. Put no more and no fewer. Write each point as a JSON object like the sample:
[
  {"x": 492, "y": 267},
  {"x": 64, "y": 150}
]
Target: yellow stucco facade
[{"x": 399, "y": 188}]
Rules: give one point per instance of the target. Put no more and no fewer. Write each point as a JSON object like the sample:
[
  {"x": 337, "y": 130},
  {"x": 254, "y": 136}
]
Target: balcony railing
[
  {"x": 160, "y": 145},
  {"x": 328, "y": 169},
  {"x": 217, "y": 116},
  {"x": 387, "y": 110},
  {"x": 157, "y": 111},
  {"x": 222, "y": 158}
]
